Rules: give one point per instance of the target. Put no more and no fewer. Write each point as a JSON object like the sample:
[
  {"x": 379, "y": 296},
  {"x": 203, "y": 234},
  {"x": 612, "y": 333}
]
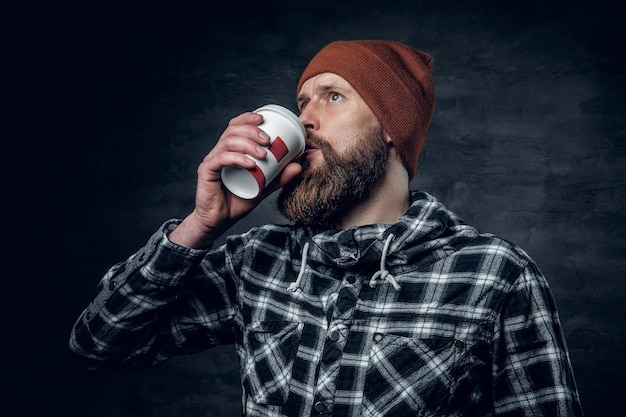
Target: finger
[
  {"x": 215, "y": 161},
  {"x": 248, "y": 132},
  {"x": 248, "y": 118},
  {"x": 291, "y": 171},
  {"x": 242, "y": 139},
  {"x": 241, "y": 145}
]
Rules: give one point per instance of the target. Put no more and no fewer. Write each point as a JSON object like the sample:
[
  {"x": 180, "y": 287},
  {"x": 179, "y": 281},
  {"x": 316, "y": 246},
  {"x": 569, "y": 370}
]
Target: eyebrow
[{"x": 322, "y": 88}]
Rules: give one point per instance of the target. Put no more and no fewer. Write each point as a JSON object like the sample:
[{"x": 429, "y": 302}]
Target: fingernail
[{"x": 263, "y": 135}]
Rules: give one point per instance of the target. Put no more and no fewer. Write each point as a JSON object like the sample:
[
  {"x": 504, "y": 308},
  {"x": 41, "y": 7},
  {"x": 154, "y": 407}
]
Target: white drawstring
[
  {"x": 296, "y": 284},
  {"x": 377, "y": 278},
  {"x": 383, "y": 274}
]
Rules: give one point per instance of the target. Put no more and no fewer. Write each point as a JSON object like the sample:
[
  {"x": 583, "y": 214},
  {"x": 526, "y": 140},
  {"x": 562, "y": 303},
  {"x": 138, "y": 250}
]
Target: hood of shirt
[{"x": 427, "y": 232}]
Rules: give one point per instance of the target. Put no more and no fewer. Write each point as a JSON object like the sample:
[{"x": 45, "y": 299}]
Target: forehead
[{"x": 322, "y": 82}]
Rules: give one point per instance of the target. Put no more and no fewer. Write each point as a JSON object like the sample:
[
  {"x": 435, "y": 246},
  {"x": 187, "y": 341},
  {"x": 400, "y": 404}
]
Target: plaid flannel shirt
[{"x": 425, "y": 317}]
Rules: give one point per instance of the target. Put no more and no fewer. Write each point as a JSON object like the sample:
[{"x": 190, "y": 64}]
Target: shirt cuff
[{"x": 164, "y": 262}]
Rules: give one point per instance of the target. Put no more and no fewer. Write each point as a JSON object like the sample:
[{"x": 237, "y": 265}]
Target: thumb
[{"x": 291, "y": 171}]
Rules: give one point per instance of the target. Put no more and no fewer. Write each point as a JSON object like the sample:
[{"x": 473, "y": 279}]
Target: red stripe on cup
[
  {"x": 259, "y": 176},
  {"x": 278, "y": 148}
]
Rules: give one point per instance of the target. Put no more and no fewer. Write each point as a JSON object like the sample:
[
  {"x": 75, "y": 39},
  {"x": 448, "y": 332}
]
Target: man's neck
[{"x": 387, "y": 203}]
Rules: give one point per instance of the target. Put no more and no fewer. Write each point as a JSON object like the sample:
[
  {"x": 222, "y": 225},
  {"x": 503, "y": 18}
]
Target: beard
[{"x": 320, "y": 196}]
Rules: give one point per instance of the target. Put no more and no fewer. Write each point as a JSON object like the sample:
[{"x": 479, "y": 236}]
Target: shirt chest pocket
[
  {"x": 410, "y": 376},
  {"x": 270, "y": 350}
]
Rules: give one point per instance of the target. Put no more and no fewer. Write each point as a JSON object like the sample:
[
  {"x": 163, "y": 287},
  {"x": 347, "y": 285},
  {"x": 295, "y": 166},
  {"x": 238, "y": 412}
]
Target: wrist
[{"x": 193, "y": 234}]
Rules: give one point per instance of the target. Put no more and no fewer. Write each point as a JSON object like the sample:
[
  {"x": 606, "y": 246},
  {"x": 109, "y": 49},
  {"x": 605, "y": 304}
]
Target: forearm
[
  {"x": 114, "y": 330},
  {"x": 127, "y": 318}
]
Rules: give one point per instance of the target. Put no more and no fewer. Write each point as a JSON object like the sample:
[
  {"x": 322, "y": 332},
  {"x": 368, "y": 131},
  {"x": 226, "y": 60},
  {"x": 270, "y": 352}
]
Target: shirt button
[
  {"x": 378, "y": 337},
  {"x": 334, "y": 335},
  {"x": 319, "y": 406},
  {"x": 351, "y": 279}
]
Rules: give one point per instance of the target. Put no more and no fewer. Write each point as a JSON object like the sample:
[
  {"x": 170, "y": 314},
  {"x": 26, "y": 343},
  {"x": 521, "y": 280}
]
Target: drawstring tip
[{"x": 383, "y": 274}]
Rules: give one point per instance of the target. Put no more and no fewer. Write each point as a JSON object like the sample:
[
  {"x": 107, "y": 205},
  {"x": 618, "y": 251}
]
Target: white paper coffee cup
[{"x": 287, "y": 142}]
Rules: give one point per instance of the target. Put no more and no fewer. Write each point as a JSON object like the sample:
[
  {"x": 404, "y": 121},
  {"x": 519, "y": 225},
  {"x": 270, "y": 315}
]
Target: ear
[{"x": 393, "y": 152}]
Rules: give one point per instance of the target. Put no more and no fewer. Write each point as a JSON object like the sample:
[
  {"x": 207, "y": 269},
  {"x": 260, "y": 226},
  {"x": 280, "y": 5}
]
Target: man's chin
[{"x": 299, "y": 199}]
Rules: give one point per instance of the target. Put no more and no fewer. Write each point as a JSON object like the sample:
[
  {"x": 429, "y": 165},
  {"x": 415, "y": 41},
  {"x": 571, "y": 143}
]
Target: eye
[
  {"x": 335, "y": 97},
  {"x": 302, "y": 105}
]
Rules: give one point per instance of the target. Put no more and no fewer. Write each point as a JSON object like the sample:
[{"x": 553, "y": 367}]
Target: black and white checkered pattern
[{"x": 471, "y": 328}]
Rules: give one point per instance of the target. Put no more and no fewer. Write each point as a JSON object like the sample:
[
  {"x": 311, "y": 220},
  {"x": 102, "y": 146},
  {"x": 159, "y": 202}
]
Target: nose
[{"x": 308, "y": 117}]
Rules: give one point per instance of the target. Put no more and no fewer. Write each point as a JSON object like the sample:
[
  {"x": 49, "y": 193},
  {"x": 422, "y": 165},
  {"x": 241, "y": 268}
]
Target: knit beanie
[{"x": 393, "y": 79}]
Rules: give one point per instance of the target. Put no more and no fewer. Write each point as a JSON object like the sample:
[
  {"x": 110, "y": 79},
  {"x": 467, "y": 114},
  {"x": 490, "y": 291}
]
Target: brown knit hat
[{"x": 395, "y": 81}]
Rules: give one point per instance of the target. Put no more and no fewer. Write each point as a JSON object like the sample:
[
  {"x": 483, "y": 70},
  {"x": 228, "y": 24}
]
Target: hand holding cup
[{"x": 287, "y": 142}]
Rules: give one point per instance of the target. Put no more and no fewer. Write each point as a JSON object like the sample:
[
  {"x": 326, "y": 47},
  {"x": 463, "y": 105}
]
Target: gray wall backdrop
[{"x": 109, "y": 107}]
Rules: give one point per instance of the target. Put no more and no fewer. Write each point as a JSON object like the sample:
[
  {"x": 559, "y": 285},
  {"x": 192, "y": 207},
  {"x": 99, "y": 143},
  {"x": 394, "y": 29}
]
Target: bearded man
[{"x": 374, "y": 301}]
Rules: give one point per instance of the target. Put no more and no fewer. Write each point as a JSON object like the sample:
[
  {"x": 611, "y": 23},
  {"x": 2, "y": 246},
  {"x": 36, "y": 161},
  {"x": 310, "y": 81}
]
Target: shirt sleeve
[
  {"x": 532, "y": 372},
  {"x": 163, "y": 301}
]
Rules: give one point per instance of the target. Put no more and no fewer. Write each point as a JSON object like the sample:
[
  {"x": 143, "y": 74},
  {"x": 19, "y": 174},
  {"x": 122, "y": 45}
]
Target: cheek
[
  {"x": 343, "y": 129},
  {"x": 352, "y": 140}
]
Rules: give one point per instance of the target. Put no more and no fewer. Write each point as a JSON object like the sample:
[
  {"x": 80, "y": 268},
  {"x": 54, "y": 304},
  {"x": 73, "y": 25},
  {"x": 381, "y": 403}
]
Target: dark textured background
[{"x": 109, "y": 107}]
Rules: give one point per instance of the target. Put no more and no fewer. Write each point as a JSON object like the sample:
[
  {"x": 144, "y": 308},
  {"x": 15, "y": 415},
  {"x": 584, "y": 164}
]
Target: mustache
[{"x": 315, "y": 141}]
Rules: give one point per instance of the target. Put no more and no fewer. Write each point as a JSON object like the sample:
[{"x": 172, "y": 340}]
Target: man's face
[
  {"x": 346, "y": 154},
  {"x": 331, "y": 109}
]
